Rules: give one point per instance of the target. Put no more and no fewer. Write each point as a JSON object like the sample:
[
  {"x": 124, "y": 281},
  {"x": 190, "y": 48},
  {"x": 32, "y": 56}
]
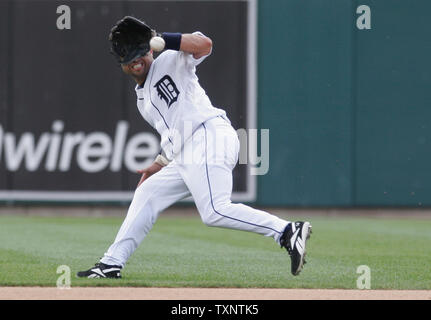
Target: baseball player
[{"x": 199, "y": 147}]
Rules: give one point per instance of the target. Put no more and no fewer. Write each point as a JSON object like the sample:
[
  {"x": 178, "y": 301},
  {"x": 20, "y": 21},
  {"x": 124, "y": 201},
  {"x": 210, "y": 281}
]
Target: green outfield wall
[{"x": 348, "y": 107}]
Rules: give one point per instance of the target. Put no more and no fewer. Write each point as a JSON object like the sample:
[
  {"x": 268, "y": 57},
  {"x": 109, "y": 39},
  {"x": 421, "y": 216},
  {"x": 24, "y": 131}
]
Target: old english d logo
[{"x": 167, "y": 90}]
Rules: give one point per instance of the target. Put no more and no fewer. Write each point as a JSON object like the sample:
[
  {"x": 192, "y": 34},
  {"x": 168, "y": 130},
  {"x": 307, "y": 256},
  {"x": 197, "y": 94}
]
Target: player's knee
[
  {"x": 211, "y": 219},
  {"x": 214, "y": 213}
]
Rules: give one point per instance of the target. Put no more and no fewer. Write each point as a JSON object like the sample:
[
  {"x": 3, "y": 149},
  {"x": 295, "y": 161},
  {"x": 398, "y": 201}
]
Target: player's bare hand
[{"x": 148, "y": 172}]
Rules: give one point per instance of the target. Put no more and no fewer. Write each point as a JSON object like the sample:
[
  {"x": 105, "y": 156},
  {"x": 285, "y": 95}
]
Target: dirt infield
[{"x": 122, "y": 293}]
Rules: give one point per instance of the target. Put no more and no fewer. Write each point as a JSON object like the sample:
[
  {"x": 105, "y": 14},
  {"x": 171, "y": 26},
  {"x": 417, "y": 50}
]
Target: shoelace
[
  {"x": 289, "y": 250},
  {"x": 287, "y": 247}
]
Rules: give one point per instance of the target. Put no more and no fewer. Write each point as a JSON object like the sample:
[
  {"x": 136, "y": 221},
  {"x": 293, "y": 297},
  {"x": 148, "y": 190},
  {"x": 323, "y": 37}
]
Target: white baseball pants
[{"x": 203, "y": 170}]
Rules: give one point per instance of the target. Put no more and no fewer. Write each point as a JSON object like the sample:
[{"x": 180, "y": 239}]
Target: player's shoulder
[
  {"x": 168, "y": 58},
  {"x": 166, "y": 55}
]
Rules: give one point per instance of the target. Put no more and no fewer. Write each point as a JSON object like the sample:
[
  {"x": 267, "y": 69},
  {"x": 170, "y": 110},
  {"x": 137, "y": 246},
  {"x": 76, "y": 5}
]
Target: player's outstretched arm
[
  {"x": 148, "y": 172},
  {"x": 155, "y": 167},
  {"x": 196, "y": 44}
]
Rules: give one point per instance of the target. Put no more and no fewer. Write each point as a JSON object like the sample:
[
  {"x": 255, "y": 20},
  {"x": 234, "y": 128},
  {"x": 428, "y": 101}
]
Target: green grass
[{"x": 183, "y": 252}]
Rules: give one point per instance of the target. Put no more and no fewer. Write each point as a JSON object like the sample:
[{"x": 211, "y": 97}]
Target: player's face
[{"x": 139, "y": 67}]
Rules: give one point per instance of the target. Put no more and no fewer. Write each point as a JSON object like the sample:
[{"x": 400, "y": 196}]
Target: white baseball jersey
[{"x": 172, "y": 101}]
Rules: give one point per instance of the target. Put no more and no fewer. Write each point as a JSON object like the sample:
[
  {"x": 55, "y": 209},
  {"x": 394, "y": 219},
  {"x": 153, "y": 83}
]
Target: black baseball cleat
[
  {"x": 101, "y": 270},
  {"x": 294, "y": 239}
]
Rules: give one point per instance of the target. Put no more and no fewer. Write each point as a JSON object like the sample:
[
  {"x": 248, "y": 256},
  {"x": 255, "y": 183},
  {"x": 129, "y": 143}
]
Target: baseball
[{"x": 157, "y": 44}]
